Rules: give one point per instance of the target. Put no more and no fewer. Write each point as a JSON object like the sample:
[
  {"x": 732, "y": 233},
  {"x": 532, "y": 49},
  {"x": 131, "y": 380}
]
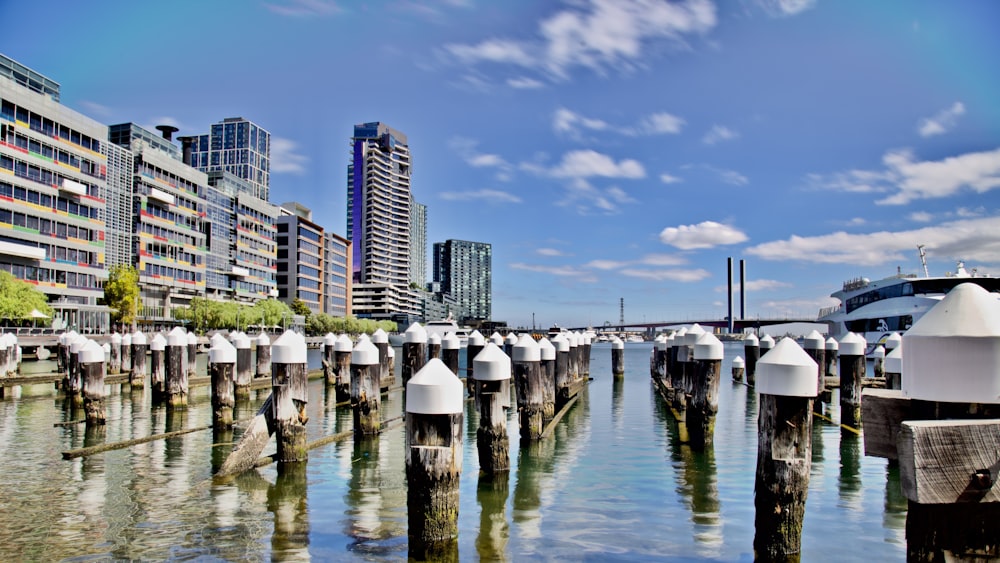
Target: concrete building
[
  {"x": 300, "y": 257},
  {"x": 336, "y": 275},
  {"x": 240, "y": 147},
  {"x": 418, "y": 244},
  {"x": 464, "y": 270}
]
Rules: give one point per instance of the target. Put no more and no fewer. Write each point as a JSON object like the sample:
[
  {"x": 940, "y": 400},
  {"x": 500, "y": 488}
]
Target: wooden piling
[
  {"x": 617, "y": 357},
  {"x": 137, "y": 378},
  {"x": 878, "y": 361},
  {"x": 434, "y": 432},
  {"x": 528, "y": 383},
  {"x": 414, "y": 351},
  {"x": 75, "y": 388},
  {"x": 191, "y": 354},
  {"x": 659, "y": 369},
  {"x": 450, "y": 347},
  {"x": 585, "y": 351},
  {"x": 342, "y": 349},
  {"x": 126, "y": 354},
  {"x": 509, "y": 342},
  {"x": 547, "y": 370},
  {"x": 703, "y": 401},
  {"x": 475, "y": 345},
  {"x": 62, "y": 356},
  {"x": 786, "y": 382},
  {"x": 176, "y": 368},
  {"x": 244, "y": 365},
  {"x": 894, "y": 368},
  {"x": 386, "y": 376},
  {"x": 815, "y": 345},
  {"x": 263, "y": 357},
  {"x": 492, "y": 395},
  {"x": 573, "y": 367},
  {"x": 223, "y": 359},
  {"x": 329, "y": 362},
  {"x": 157, "y": 368},
  {"x": 92, "y": 367},
  {"x": 115, "y": 361},
  {"x": 563, "y": 383},
  {"x": 289, "y": 390},
  {"x": 366, "y": 397},
  {"x": 434, "y": 346},
  {"x": 832, "y": 357},
  {"x": 739, "y": 367},
  {"x": 852, "y": 373},
  {"x": 751, "y": 351}
]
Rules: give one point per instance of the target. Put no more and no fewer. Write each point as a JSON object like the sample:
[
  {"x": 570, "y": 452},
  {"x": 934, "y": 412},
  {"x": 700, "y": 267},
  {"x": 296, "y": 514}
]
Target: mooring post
[
  {"x": 704, "y": 399},
  {"x": 675, "y": 366},
  {"x": 586, "y": 347},
  {"x": 815, "y": 345},
  {"x": 528, "y": 382},
  {"x": 893, "y": 341},
  {"x": 342, "y": 348},
  {"x": 223, "y": 359},
  {"x": 329, "y": 361},
  {"x": 499, "y": 341},
  {"x": 617, "y": 357},
  {"x": 563, "y": 383},
  {"x": 492, "y": 395},
  {"x": 386, "y": 376},
  {"x": 739, "y": 366},
  {"x": 125, "y": 365},
  {"x": 115, "y": 362},
  {"x": 878, "y": 361},
  {"x": 509, "y": 342},
  {"x": 832, "y": 357},
  {"x": 244, "y": 365},
  {"x": 5, "y": 355},
  {"x": 91, "y": 358},
  {"x": 786, "y": 382},
  {"x": 434, "y": 430},
  {"x": 547, "y": 371},
  {"x": 366, "y": 396},
  {"x": 263, "y": 357},
  {"x": 62, "y": 356},
  {"x": 290, "y": 394},
  {"x": 192, "y": 353},
  {"x": 688, "y": 369},
  {"x": 766, "y": 343},
  {"x": 659, "y": 368},
  {"x": 476, "y": 344},
  {"x": 434, "y": 346},
  {"x": 572, "y": 369},
  {"x": 852, "y": 373},
  {"x": 176, "y": 368},
  {"x": 450, "y": 347},
  {"x": 157, "y": 367},
  {"x": 414, "y": 350},
  {"x": 75, "y": 383},
  {"x": 894, "y": 368},
  {"x": 751, "y": 350},
  {"x": 137, "y": 379}
]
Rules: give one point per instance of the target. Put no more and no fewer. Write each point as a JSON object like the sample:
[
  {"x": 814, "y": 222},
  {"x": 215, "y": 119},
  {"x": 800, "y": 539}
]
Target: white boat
[
  {"x": 444, "y": 326},
  {"x": 876, "y": 309}
]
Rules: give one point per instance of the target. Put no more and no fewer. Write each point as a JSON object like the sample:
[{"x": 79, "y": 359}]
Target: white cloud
[
  {"x": 468, "y": 150},
  {"x": 605, "y": 264},
  {"x": 719, "y": 133},
  {"x": 661, "y": 123},
  {"x": 857, "y": 222},
  {"x": 162, "y": 120},
  {"x": 706, "y": 234},
  {"x": 765, "y": 285},
  {"x": 921, "y": 217},
  {"x": 973, "y": 239},
  {"x": 786, "y": 7},
  {"x": 569, "y": 123},
  {"x": 942, "y": 122},
  {"x": 285, "y": 159},
  {"x": 525, "y": 83},
  {"x": 664, "y": 275},
  {"x": 559, "y": 271},
  {"x": 668, "y": 179},
  {"x": 550, "y": 252},
  {"x": 662, "y": 260},
  {"x": 487, "y": 195},
  {"x": 733, "y": 177},
  {"x": 303, "y": 8},
  {"x": 588, "y": 163},
  {"x": 484, "y": 160},
  {"x": 95, "y": 108},
  {"x": 494, "y": 51}
]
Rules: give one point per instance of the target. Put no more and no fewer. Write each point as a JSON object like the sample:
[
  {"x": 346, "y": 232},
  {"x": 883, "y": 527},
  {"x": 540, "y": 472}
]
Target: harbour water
[{"x": 613, "y": 483}]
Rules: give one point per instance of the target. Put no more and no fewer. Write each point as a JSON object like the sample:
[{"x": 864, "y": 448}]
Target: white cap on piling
[
  {"x": 158, "y": 343},
  {"x": 115, "y": 338},
  {"x": 750, "y": 341},
  {"x": 434, "y": 339},
  {"x": 708, "y": 347},
  {"x": 496, "y": 339},
  {"x": 90, "y": 353},
  {"x": 217, "y": 337},
  {"x": 415, "y": 334},
  {"x": 660, "y": 343},
  {"x": 242, "y": 342},
  {"x": 894, "y": 360},
  {"x": 511, "y": 339},
  {"x": 787, "y": 370},
  {"x": 380, "y": 337},
  {"x": 435, "y": 390},
  {"x": 573, "y": 339},
  {"x": 491, "y": 364},
  {"x": 289, "y": 348},
  {"x": 617, "y": 344},
  {"x": 670, "y": 340},
  {"x": 343, "y": 344},
  {"x": 62, "y": 338},
  {"x": 852, "y": 344},
  {"x": 126, "y": 339},
  {"x": 391, "y": 352},
  {"x": 477, "y": 339},
  {"x": 692, "y": 334},
  {"x": 526, "y": 350},
  {"x": 365, "y": 353},
  {"x": 221, "y": 352},
  {"x": 814, "y": 341},
  {"x": 832, "y": 344},
  {"x": 893, "y": 341},
  {"x": 364, "y": 338},
  {"x": 739, "y": 362},
  {"x": 561, "y": 343},
  {"x": 3, "y": 342},
  {"x": 329, "y": 339},
  {"x": 767, "y": 341},
  {"x": 193, "y": 339},
  {"x": 78, "y": 343},
  {"x": 879, "y": 352},
  {"x": 107, "y": 351},
  {"x": 263, "y": 340},
  {"x": 450, "y": 342},
  {"x": 547, "y": 349},
  {"x": 138, "y": 339},
  {"x": 177, "y": 337},
  {"x": 952, "y": 354}
]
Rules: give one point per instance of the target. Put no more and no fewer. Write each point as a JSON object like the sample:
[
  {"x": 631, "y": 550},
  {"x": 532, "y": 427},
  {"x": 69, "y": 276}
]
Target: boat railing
[{"x": 827, "y": 311}]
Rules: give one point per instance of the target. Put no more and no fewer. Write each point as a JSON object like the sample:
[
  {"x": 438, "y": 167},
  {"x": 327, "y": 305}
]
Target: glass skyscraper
[
  {"x": 465, "y": 271},
  {"x": 240, "y": 147}
]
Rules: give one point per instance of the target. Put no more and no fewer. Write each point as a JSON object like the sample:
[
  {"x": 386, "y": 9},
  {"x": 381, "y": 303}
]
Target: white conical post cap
[
  {"x": 526, "y": 349},
  {"x": 289, "y": 348},
  {"x": 365, "y": 353},
  {"x": 739, "y": 362},
  {"x": 435, "y": 390},
  {"x": 750, "y": 341},
  {"x": 138, "y": 339},
  {"x": 787, "y": 370},
  {"x": 477, "y": 339},
  {"x": 158, "y": 343},
  {"x": 416, "y": 334},
  {"x": 450, "y": 342},
  {"x": 708, "y": 347},
  {"x": 491, "y": 364},
  {"x": 380, "y": 336},
  {"x": 852, "y": 344},
  {"x": 894, "y": 361},
  {"x": 221, "y": 352},
  {"x": 242, "y": 342},
  {"x": 434, "y": 339},
  {"x": 343, "y": 344},
  {"x": 547, "y": 349},
  {"x": 814, "y": 341}
]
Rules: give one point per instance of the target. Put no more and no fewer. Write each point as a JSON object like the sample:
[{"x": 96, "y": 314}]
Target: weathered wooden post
[
  {"x": 492, "y": 400},
  {"x": 852, "y": 373},
  {"x": 766, "y": 343},
  {"x": 137, "y": 379},
  {"x": 947, "y": 467},
  {"x": 832, "y": 357},
  {"x": 739, "y": 366},
  {"x": 177, "y": 377},
  {"x": 509, "y": 342},
  {"x": 563, "y": 383},
  {"x": 342, "y": 349},
  {"x": 617, "y": 357},
  {"x": 244, "y": 365},
  {"x": 703, "y": 403},
  {"x": 115, "y": 362},
  {"x": 751, "y": 350},
  {"x": 547, "y": 370},
  {"x": 263, "y": 358},
  {"x": 475, "y": 345},
  {"x": 450, "y": 347},
  {"x": 572, "y": 367},
  {"x": 498, "y": 340},
  {"x": 289, "y": 394},
  {"x": 815, "y": 345},
  {"x": 126, "y": 354},
  {"x": 585, "y": 350},
  {"x": 434, "y": 431},
  {"x": 670, "y": 357},
  {"x": 192, "y": 353},
  {"x": 434, "y": 346},
  {"x": 223, "y": 359},
  {"x": 75, "y": 383},
  {"x": 688, "y": 368},
  {"x": 659, "y": 369},
  {"x": 62, "y": 356},
  {"x": 91, "y": 358},
  {"x": 329, "y": 361},
  {"x": 878, "y": 361},
  {"x": 414, "y": 350},
  {"x": 528, "y": 382},
  {"x": 5, "y": 354},
  {"x": 366, "y": 397},
  {"x": 386, "y": 377},
  {"x": 894, "y": 368},
  {"x": 157, "y": 368},
  {"x": 786, "y": 382}
]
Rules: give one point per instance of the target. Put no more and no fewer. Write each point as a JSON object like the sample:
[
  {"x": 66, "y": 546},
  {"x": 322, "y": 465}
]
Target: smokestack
[
  {"x": 167, "y": 131},
  {"x": 187, "y": 146},
  {"x": 729, "y": 293},
  {"x": 743, "y": 282}
]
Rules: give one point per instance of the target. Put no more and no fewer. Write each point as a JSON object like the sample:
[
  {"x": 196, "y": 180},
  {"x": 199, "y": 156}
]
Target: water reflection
[
  {"x": 494, "y": 532},
  {"x": 287, "y": 499},
  {"x": 850, "y": 467}
]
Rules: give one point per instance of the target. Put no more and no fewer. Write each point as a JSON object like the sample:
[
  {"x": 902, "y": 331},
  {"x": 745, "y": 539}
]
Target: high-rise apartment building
[
  {"x": 300, "y": 257},
  {"x": 240, "y": 147},
  {"x": 378, "y": 222},
  {"x": 418, "y": 244},
  {"x": 465, "y": 271},
  {"x": 53, "y": 181},
  {"x": 336, "y": 275}
]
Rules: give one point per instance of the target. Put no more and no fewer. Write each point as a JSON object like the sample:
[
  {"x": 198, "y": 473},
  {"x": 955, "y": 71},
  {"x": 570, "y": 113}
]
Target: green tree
[
  {"x": 18, "y": 298},
  {"x": 299, "y": 307},
  {"x": 121, "y": 293}
]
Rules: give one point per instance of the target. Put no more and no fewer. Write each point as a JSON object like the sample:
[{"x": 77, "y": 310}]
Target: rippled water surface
[{"x": 612, "y": 483}]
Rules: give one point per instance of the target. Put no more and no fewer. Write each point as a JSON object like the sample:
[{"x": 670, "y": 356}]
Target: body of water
[{"x": 613, "y": 482}]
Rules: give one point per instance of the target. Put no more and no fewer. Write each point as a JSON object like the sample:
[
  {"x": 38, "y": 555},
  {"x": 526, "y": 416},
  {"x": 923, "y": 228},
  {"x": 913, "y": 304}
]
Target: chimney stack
[
  {"x": 167, "y": 131},
  {"x": 187, "y": 146}
]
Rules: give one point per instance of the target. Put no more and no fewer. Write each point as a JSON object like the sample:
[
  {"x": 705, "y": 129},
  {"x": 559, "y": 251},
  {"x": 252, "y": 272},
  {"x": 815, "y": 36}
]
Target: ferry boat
[
  {"x": 876, "y": 309},
  {"x": 444, "y": 326}
]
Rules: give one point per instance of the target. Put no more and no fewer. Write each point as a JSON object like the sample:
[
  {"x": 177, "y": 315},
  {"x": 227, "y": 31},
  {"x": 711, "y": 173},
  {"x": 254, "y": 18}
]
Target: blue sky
[{"x": 606, "y": 148}]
